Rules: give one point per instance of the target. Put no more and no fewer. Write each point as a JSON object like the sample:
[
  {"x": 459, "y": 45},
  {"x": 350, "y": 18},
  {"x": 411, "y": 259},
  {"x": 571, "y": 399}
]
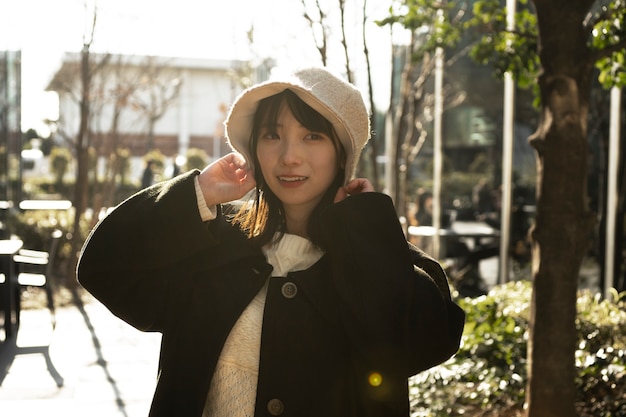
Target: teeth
[{"x": 291, "y": 179}]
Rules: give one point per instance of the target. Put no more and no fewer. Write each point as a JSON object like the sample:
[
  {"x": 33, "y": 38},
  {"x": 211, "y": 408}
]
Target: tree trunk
[
  {"x": 82, "y": 164},
  {"x": 563, "y": 223},
  {"x": 374, "y": 139}
]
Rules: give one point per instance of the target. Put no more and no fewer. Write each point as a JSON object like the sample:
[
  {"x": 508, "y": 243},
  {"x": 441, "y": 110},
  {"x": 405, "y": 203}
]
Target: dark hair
[{"x": 264, "y": 216}]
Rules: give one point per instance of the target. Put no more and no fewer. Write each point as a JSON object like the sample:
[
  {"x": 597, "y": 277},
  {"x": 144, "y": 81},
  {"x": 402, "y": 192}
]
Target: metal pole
[
  {"x": 507, "y": 158},
  {"x": 612, "y": 191},
  {"x": 437, "y": 151}
]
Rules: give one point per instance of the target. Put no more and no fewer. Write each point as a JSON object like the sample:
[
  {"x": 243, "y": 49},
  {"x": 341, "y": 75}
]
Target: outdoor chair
[{"x": 34, "y": 269}]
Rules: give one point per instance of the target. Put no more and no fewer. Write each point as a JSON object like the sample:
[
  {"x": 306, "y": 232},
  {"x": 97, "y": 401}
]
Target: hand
[
  {"x": 226, "y": 179},
  {"x": 356, "y": 186}
]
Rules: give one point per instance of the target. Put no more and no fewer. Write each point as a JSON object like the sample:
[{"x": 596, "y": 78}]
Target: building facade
[{"x": 143, "y": 103}]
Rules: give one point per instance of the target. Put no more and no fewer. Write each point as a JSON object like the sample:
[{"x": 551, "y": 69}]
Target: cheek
[
  {"x": 263, "y": 157},
  {"x": 332, "y": 163}
]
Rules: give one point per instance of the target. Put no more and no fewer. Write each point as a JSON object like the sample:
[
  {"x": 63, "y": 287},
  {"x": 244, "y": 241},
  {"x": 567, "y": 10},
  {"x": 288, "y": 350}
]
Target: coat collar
[{"x": 231, "y": 245}]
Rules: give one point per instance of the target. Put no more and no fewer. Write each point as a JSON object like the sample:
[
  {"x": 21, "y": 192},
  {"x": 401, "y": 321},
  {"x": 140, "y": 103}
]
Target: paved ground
[{"x": 92, "y": 364}]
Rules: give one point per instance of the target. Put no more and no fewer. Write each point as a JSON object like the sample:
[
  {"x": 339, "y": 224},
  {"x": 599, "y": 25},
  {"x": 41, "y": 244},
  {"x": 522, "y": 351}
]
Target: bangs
[
  {"x": 269, "y": 110},
  {"x": 266, "y": 117}
]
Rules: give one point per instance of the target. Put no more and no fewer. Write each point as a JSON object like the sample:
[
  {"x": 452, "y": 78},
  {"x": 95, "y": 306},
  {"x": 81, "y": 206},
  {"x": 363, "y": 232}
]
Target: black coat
[{"x": 370, "y": 313}]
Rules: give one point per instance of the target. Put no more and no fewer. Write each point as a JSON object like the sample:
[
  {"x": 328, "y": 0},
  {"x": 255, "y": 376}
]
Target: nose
[{"x": 291, "y": 153}]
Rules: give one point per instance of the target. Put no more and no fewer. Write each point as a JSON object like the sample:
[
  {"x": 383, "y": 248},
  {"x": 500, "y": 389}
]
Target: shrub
[
  {"x": 601, "y": 356},
  {"x": 60, "y": 159},
  {"x": 196, "y": 159},
  {"x": 157, "y": 157},
  {"x": 488, "y": 375}
]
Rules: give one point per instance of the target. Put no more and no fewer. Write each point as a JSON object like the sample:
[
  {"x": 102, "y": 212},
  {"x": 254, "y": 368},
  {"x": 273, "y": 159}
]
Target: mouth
[
  {"x": 291, "y": 181},
  {"x": 291, "y": 178}
]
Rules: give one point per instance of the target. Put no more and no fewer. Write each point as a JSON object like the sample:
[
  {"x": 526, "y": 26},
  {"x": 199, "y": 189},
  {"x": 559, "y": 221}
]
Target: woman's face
[{"x": 297, "y": 164}]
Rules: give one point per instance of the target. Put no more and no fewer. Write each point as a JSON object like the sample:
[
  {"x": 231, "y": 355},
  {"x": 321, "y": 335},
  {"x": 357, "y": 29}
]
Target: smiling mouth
[{"x": 291, "y": 179}]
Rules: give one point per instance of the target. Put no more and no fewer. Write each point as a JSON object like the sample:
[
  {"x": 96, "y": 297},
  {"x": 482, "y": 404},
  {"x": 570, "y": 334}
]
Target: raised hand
[
  {"x": 356, "y": 186},
  {"x": 226, "y": 179}
]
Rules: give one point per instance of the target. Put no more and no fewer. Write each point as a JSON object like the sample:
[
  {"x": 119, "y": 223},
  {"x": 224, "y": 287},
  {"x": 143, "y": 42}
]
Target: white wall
[{"x": 206, "y": 92}]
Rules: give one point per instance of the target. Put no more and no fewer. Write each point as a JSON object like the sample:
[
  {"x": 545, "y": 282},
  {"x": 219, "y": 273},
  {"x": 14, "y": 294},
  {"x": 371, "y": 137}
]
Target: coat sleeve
[
  {"x": 132, "y": 258},
  {"x": 396, "y": 300}
]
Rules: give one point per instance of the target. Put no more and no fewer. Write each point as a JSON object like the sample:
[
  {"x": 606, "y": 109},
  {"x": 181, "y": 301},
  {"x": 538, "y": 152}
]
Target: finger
[
  {"x": 367, "y": 186},
  {"x": 247, "y": 184},
  {"x": 239, "y": 161},
  {"x": 359, "y": 185},
  {"x": 340, "y": 195},
  {"x": 353, "y": 186}
]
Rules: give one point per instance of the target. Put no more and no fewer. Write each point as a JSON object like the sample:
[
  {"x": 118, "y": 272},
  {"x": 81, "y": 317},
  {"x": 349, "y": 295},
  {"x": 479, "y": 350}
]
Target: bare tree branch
[
  {"x": 155, "y": 94},
  {"x": 322, "y": 43},
  {"x": 609, "y": 50},
  {"x": 373, "y": 143},
  {"x": 344, "y": 42}
]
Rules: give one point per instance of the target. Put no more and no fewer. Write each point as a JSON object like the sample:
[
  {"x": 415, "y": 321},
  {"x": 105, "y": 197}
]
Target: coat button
[
  {"x": 289, "y": 290},
  {"x": 275, "y": 407}
]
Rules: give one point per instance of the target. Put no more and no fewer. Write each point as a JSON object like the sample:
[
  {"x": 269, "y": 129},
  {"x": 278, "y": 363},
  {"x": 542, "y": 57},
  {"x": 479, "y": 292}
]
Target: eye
[
  {"x": 315, "y": 136},
  {"x": 269, "y": 135}
]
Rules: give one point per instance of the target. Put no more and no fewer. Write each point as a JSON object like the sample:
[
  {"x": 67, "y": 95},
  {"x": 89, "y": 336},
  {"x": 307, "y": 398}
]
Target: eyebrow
[{"x": 271, "y": 125}]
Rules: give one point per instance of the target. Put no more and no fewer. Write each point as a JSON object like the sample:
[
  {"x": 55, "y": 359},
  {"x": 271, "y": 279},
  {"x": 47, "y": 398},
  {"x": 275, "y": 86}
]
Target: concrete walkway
[{"x": 92, "y": 364}]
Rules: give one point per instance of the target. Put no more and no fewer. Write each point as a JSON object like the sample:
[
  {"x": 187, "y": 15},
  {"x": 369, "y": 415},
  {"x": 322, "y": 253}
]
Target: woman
[{"x": 305, "y": 299}]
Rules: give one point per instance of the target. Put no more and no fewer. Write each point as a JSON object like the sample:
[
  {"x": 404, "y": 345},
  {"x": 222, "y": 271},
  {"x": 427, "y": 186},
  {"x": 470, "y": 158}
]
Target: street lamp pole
[
  {"x": 612, "y": 191},
  {"x": 437, "y": 151},
  {"x": 507, "y": 157}
]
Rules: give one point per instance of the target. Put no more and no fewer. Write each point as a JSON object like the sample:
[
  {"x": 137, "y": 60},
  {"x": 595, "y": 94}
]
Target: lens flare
[{"x": 375, "y": 379}]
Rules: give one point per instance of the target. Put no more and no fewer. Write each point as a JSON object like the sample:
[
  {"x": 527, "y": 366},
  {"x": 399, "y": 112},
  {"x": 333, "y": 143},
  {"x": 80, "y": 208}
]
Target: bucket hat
[{"x": 335, "y": 99}]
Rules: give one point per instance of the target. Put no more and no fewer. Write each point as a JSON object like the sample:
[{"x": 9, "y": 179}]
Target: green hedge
[{"x": 488, "y": 376}]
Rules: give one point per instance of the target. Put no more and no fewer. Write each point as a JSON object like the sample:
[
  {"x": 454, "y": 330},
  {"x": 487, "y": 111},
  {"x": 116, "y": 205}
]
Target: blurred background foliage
[{"x": 488, "y": 376}]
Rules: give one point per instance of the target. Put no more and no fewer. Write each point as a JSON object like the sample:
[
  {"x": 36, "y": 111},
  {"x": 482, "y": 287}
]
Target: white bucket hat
[{"x": 335, "y": 99}]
